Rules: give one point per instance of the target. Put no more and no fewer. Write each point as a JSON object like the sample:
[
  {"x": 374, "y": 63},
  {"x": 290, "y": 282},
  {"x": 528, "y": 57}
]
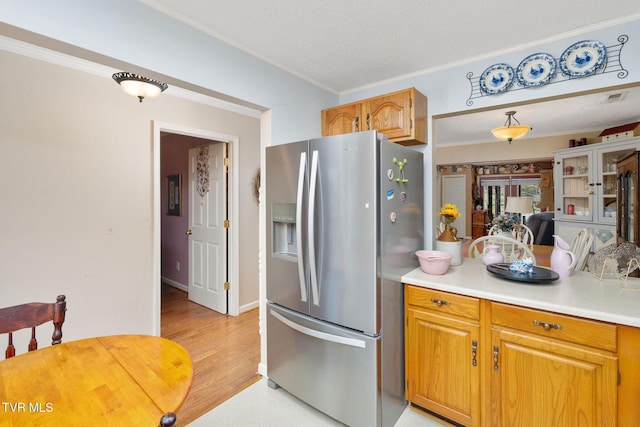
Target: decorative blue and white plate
[
  {"x": 496, "y": 79},
  {"x": 583, "y": 58},
  {"x": 536, "y": 70}
]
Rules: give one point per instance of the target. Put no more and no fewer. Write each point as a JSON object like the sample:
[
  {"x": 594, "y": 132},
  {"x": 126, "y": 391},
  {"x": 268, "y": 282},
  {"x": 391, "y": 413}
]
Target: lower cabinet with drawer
[
  {"x": 442, "y": 334},
  {"x": 483, "y": 363},
  {"x": 551, "y": 370}
]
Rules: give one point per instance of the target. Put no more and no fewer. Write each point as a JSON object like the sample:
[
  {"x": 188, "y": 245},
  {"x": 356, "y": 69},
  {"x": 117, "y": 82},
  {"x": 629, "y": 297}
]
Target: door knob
[{"x": 189, "y": 232}]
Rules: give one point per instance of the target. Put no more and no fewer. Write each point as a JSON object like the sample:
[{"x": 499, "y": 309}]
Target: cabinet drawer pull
[
  {"x": 440, "y": 302},
  {"x": 547, "y": 326},
  {"x": 496, "y": 350},
  {"x": 474, "y": 350}
]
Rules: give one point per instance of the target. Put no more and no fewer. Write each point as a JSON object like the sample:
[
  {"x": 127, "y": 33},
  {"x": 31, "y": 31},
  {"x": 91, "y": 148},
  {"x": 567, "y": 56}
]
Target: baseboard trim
[
  {"x": 178, "y": 285},
  {"x": 175, "y": 284},
  {"x": 249, "y": 306}
]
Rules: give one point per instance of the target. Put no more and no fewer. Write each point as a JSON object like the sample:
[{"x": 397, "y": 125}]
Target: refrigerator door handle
[
  {"x": 319, "y": 334},
  {"x": 312, "y": 243},
  {"x": 299, "y": 254}
]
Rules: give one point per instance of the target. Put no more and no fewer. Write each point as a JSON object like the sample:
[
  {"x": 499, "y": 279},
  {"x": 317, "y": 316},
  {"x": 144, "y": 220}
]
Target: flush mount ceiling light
[
  {"x": 142, "y": 87},
  {"x": 510, "y": 132}
]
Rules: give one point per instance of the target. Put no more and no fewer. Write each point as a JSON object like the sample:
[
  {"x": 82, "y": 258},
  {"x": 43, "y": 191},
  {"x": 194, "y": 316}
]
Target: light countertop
[{"x": 580, "y": 294}]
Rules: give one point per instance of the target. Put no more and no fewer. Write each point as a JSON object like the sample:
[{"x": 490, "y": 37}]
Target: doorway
[{"x": 159, "y": 181}]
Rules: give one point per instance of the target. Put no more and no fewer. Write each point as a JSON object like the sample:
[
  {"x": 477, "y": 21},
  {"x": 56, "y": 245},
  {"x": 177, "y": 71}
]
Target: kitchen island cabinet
[
  {"x": 541, "y": 376},
  {"x": 441, "y": 341},
  {"x": 546, "y": 354},
  {"x": 401, "y": 116}
]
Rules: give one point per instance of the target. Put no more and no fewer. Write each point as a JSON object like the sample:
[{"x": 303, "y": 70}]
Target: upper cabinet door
[
  {"x": 342, "y": 119},
  {"x": 390, "y": 114},
  {"x": 401, "y": 116}
]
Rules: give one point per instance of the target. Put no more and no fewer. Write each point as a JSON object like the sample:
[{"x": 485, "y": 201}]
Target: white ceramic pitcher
[{"x": 562, "y": 259}]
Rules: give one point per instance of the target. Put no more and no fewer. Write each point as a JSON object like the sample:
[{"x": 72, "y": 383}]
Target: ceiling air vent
[{"x": 614, "y": 97}]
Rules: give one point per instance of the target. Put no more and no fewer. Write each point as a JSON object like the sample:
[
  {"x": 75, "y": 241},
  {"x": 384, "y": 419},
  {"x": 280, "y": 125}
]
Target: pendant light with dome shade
[
  {"x": 510, "y": 131},
  {"x": 140, "y": 86}
]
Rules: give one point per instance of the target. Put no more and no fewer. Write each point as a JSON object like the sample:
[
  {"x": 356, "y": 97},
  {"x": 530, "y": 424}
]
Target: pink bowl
[{"x": 434, "y": 262}]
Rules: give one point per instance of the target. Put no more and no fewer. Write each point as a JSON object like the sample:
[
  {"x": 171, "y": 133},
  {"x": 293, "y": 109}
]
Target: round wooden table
[{"x": 121, "y": 380}]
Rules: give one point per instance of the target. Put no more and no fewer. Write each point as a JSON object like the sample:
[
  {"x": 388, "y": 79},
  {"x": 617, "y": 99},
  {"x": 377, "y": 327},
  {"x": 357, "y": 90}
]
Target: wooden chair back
[{"x": 31, "y": 315}]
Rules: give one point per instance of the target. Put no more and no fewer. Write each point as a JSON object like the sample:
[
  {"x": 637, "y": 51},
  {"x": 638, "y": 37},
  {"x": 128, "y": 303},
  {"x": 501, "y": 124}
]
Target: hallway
[{"x": 225, "y": 350}]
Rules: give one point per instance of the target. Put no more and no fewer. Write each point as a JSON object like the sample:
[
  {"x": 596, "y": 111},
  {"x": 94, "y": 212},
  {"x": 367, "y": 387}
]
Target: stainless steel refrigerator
[{"x": 344, "y": 218}]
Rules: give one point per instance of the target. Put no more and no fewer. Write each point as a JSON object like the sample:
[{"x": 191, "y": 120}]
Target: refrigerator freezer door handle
[
  {"x": 311, "y": 222},
  {"x": 318, "y": 334},
  {"x": 303, "y": 282}
]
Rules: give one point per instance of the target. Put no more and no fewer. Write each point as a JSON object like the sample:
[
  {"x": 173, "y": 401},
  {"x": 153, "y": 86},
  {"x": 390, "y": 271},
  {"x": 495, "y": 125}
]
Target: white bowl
[{"x": 434, "y": 262}]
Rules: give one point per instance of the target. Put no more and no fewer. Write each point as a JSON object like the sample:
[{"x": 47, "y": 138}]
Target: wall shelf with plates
[{"x": 581, "y": 59}]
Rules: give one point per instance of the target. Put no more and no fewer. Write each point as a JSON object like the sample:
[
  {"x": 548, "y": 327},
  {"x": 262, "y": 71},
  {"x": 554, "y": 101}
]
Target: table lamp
[{"x": 520, "y": 205}]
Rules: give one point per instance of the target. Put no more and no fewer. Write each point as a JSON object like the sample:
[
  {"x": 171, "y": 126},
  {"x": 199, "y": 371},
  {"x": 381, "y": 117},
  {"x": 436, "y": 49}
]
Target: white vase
[{"x": 454, "y": 248}]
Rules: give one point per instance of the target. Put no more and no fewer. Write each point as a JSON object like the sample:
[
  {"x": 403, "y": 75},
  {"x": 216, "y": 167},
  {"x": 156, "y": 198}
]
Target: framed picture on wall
[{"x": 174, "y": 196}]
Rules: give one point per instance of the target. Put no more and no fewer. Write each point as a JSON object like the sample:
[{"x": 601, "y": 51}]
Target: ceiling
[{"x": 345, "y": 45}]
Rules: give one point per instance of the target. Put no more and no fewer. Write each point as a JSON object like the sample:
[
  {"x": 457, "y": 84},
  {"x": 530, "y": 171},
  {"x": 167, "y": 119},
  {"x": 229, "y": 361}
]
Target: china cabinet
[
  {"x": 627, "y": 229},
  {"x": 585, "y": 191},
  {"x": 401, "y": 115}
]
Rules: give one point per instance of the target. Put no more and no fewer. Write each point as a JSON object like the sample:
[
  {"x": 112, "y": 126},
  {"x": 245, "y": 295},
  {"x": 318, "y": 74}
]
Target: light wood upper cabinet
[
  {"x": 401, "y": 115},
  {"x": 342, "y": 119}
]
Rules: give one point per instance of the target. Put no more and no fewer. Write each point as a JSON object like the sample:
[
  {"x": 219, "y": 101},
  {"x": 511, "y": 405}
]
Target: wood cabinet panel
[
  {"x": 443, "y": 364},
  {"x": 629, "y": 368},
  {"x": 443, "y": 302},
  {"x": 342, "y": 119},
  {"x": 390, "y": 114},
  {"x": 572, "y": 329},
  {"x": 538, "y": 382}
]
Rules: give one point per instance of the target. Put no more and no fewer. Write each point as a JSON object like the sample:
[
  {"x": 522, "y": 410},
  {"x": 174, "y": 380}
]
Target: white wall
[
  {"x": 448, "y": 89},
  {"x": 127, "y": 33},
  {"x": 76, "y": 217}
]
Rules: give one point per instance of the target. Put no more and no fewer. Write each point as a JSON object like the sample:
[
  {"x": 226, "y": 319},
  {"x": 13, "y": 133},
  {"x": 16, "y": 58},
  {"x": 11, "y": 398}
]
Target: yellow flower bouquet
[{"x": 449, "y": 213}]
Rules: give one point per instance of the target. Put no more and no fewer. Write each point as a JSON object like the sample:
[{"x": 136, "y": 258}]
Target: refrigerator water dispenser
[{"x": 283, "y": 216}]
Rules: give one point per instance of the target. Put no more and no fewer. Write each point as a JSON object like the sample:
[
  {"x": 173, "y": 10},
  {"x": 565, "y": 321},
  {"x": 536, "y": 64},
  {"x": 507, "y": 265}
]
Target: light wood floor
[{"x": 225, "y": 350}]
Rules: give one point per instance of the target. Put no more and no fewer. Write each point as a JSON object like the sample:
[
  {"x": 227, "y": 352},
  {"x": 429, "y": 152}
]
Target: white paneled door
[
  {"x": 454, "y": 191},
  {"x": 207, "y": 231}
]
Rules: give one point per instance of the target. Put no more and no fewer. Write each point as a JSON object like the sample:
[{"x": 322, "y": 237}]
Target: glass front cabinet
[
  {"x": 586, "y": 187},
  {"x": 627, "y": 210}
]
